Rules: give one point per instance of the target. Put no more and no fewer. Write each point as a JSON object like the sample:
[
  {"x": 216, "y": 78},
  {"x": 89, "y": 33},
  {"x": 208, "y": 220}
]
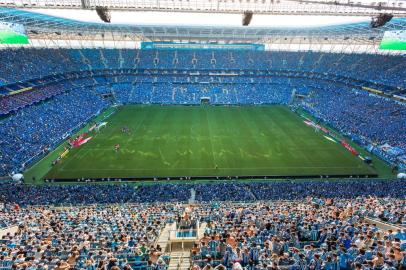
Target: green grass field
[{"x": 177, "y": 141}]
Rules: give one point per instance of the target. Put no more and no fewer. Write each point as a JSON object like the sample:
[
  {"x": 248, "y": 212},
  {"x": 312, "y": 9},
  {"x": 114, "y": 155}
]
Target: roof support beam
[{"x": 281, "y": 7}]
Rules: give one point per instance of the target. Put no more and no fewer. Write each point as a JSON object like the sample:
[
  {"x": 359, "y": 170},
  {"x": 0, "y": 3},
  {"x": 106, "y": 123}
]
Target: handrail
[
  {"x": 384, "y": 225},
  {"x": 180, "y": 261},
  {"x": 8, "y": 229}
]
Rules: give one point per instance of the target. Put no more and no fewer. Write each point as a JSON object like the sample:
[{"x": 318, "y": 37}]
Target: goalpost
[
  {"x": 205, "y": 101},
  {"x": 100, "y": 126}
]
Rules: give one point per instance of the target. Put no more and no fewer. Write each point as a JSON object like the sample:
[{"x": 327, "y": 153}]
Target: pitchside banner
[
  {"x": 201, "y": 46},
  {"x": 394, "y": 40}
]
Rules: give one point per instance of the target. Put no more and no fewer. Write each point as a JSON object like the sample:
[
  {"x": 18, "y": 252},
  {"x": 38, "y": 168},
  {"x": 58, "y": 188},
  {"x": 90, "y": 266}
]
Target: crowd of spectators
[
  {"x": 24, "y": 64},
  {"x": 306, "y": 234},
  {"x": 219, "y": 191},
  {"x": 306, "y": 225},
  {"x": 36, "y": 129},
  {"x": 376, "y": 119},
  {"x": 12, "y": 103},
  {"x": 324, "y": 231},
  {"x": 93, "y": 237},
  {"x": 188, "y": 93}
]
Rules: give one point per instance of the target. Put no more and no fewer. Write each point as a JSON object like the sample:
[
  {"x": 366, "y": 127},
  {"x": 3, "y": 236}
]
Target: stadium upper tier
[
  {"x": 51, "y": 27},
  {"x": 20, "y": 65}
]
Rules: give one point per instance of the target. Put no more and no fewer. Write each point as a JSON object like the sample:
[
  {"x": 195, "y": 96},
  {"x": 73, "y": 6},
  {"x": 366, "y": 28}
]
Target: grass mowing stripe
[{"x": 210, "y": 138}]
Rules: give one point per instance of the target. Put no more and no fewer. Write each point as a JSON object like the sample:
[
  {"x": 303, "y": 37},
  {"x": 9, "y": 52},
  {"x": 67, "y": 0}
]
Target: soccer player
[{"x": 117, "y": 147}]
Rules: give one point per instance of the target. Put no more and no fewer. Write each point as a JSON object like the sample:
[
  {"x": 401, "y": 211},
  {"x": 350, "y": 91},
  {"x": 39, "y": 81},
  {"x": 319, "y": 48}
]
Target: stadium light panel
[
  {"x": 104, "y": 14},
  {"x": 247, "y": 17},
  {"x": 381, "y": 20}
]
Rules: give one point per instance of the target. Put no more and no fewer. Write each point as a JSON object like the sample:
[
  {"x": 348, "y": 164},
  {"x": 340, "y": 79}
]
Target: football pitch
[{"x": 196, "y": 141}]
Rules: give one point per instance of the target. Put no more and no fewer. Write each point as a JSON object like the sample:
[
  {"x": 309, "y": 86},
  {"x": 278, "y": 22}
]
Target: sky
[{"x": 177, "y": 18}]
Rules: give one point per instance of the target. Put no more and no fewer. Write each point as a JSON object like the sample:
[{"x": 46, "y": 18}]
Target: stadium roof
[
  {"x": 37, "y": 24},
  {"x": 283, "y": 7}
]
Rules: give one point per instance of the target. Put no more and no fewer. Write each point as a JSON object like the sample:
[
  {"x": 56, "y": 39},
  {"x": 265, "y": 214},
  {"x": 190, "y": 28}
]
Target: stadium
[{"x": 191, "y": 134}]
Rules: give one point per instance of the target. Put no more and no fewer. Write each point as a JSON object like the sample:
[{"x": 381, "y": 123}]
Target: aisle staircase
[
  {"x": 180, "y": 260},
  {"x": 192, "y": 198},
  {"x": 120, "y": 58},
  {"x": 177, "y": 246},
  {"x": 85, "y": 60},
  {"x": 202, "y": 229},
  {"x": 104, "y": 60},
  {"x": 163, "y": 239},
  {"x": 252, "y": 195}
]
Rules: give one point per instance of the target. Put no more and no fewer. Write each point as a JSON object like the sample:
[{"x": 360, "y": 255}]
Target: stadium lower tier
[
  {"x": 146, "y": 142},
  {"x": 310, "y": 233}
]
